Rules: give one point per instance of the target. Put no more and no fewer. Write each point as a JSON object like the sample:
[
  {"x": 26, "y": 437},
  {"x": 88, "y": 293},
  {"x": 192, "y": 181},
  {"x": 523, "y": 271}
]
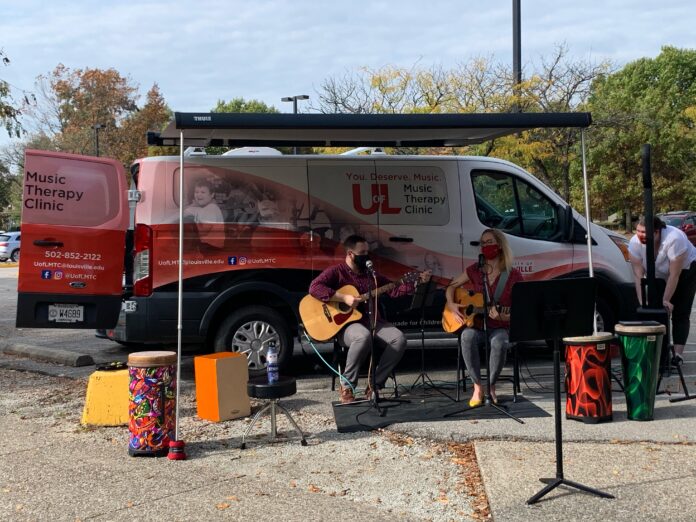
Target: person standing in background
[{"x": 675, "y": 263}]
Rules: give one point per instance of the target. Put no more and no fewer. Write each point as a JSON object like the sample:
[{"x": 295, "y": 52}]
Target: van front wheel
[{"x": 248, "y": 331}]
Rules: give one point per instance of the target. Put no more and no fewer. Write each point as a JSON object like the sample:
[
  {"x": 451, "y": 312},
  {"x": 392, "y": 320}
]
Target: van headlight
[{"x": 622, "y": 244}]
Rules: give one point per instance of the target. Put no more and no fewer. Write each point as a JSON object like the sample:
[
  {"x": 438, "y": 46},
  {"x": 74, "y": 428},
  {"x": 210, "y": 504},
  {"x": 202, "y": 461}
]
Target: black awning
[{"x": 202, "y": 129}]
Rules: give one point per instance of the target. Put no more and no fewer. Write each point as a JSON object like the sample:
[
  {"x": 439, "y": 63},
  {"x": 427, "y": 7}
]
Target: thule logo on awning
[{"x": 202, "y": 118}]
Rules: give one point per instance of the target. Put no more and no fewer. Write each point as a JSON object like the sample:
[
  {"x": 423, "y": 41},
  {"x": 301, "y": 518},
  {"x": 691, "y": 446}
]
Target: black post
[
  {"x": 650, "y": 294},
  {"x": 516, "y": 52}
]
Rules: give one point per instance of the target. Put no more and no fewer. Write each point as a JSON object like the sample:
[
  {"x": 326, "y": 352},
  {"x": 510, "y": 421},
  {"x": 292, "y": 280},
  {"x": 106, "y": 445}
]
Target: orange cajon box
[{"x": 221, "y": 386}]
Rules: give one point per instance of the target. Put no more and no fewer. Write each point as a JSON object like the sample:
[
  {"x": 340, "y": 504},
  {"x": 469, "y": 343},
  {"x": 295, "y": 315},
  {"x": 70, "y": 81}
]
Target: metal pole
[
  {"x": 180, "y": 295},
  {"x": 587, "y": 219},
  {"x": 96, "y": 132},
  {"x": 294, "y": 111},
  {"x": 516, "y": 53}
]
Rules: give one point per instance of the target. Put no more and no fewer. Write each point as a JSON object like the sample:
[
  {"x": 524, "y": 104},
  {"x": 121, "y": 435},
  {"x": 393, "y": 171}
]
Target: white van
[{"x": 259, "y": 228}]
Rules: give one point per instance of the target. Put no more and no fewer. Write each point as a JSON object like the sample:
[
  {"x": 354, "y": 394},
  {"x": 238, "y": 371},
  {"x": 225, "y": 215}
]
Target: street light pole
[
  {"x": 294, "y": 99},
  {"x": 96, "y": 128}
]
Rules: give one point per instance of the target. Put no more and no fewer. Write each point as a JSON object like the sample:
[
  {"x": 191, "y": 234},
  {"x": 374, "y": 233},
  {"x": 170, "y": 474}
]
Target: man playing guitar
[
  {"x": 357, "y": 272},
  {"x": 498, "y": 267}
]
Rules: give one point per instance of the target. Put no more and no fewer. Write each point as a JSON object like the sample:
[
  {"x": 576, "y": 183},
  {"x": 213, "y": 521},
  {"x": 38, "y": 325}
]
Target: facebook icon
[
  {"x": 46, "y": 274},
  {"x": 232, "y": 260}
]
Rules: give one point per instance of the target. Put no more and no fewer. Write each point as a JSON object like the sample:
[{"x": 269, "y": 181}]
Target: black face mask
[{"x": 361, "y": 260}]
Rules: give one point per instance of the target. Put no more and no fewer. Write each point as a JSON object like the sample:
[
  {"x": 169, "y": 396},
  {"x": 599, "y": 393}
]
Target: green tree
[
  {"x": 242, "y": 105},
  {"x": 651, "y": 100}
]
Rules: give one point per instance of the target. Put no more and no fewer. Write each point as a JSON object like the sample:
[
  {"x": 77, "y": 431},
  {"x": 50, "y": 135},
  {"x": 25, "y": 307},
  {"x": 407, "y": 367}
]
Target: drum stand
[{"x": 687, "y": 396}]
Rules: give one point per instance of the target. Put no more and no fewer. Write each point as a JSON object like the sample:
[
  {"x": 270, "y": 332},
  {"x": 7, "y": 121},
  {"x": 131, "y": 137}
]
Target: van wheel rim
[{"x": 251, "y": 339}]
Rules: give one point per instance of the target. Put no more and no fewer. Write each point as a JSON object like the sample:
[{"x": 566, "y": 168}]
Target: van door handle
[
  {"x": 48, "y": 243},
  {"x": 400, "y": 239},
  {"x": 474, "y": 243}
]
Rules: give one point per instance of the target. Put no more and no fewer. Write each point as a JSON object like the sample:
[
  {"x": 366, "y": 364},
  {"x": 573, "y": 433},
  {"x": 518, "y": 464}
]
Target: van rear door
[{"x": 74, "y": 221}]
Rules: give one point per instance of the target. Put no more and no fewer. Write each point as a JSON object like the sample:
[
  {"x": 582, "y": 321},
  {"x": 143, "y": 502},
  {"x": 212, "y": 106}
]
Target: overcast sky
[{"x": 204, "y": 50}]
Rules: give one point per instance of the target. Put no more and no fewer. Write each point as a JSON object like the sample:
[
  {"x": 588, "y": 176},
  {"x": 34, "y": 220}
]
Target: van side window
[{"x": 507, "y": 203}]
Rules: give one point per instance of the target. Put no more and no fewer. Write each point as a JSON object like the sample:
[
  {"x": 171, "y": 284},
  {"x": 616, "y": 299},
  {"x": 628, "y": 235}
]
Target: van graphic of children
[{"x": 205, "y": 213}]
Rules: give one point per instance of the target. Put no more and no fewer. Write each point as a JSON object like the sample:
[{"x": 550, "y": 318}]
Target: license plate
[
  {"x": 66, "y": 313},
  {"x": 129, "y": 306}
]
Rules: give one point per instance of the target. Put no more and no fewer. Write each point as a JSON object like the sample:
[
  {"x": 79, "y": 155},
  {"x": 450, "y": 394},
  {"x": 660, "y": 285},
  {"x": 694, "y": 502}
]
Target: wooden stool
[{"x": 259, "y": 388}]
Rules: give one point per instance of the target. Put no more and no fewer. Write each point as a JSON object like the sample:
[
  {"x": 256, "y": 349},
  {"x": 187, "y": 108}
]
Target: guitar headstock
[{"x": 410, "y": 277}]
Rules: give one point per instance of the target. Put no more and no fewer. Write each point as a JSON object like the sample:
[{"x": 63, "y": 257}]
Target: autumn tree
[
  {"x": 73, "y": 103},
  {"x": 130, "y": 142},
  {"x": 557, "y": 84},
  {"x": 10, "y": 111}
]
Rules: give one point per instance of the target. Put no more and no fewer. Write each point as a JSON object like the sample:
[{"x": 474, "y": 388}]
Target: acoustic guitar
[
  {"x": 323, "y": 321},
  {"x": 471, "y": 307}
]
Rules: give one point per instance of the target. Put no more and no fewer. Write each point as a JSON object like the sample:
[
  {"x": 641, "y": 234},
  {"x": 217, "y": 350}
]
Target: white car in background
[{"x": 9, "y": 246}]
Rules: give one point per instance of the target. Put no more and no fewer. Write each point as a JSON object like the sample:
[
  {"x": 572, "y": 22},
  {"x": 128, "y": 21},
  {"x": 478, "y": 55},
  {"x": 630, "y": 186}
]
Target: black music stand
[
  {"x": 552, "y": 310},
  {"x": 422, "y": 298}
]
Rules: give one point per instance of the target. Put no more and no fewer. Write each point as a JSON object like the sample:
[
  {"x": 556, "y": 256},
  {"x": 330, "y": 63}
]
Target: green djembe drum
[{"x": 641, "y": 346}]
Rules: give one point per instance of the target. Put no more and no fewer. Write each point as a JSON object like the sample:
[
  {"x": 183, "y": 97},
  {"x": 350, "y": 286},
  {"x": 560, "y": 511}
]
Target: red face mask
[{"x": 490, "y": 251}]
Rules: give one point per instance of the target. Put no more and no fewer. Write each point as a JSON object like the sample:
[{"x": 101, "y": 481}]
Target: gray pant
[
  {"x": 473, "y": 339},
  {"x": 357, "y": 338}
]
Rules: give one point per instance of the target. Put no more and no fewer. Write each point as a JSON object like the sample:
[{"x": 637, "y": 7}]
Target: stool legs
[
  {"x": 303, "y": 441},
  {"x": 272, "y": 405}
]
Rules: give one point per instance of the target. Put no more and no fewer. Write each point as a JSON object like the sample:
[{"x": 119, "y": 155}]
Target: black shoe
[{"x": 677, "y": 360}]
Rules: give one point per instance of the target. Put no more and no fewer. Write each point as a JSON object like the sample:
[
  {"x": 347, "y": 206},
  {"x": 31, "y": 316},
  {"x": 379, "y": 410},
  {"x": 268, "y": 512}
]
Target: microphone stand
[
  {"x": 372, "y": 315},
  {"x": 487, "y": 402}
]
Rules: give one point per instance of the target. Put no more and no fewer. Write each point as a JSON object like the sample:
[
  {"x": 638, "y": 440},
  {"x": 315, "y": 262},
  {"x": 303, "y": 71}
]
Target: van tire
[
  {"x": 606, "y": 319},
  {"x": 248, "y": 329},
  {"x": 14, "y": 257}
]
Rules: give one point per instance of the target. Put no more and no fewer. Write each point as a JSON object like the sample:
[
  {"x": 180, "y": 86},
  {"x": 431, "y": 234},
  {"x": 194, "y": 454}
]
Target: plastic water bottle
[{"x": 272, "y": 362}]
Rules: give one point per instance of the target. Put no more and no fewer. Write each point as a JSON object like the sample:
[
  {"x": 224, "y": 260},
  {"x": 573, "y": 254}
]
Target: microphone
[
  {"x": 370, "y": 266},
  {"x": 481, "y": 261}
]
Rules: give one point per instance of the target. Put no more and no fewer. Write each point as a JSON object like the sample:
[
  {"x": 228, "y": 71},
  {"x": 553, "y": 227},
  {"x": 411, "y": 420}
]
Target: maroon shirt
[
  {"x": 505, "y": 299},
  {"x": 337, "y": 276}
]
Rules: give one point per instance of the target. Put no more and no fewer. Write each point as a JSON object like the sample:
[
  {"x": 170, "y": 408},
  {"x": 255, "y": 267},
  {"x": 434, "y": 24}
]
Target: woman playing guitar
[{"x": 498, "y": 267}]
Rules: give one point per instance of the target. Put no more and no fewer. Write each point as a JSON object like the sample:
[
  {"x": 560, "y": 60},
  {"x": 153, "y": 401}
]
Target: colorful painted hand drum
[
  {"x": 641, "y": 346},
  {"x": 588, "y": 377},
  {"x": 152, "y": 404}
]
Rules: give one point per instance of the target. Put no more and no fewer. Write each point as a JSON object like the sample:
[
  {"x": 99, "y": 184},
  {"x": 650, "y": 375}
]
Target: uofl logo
[{"x": 379, "y": 200}]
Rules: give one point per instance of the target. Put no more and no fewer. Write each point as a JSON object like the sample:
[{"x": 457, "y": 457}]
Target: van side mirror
[{"x": 567, "y": 222}]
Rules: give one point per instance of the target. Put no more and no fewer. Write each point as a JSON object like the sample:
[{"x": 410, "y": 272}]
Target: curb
[{"x": 54, "y": 355}]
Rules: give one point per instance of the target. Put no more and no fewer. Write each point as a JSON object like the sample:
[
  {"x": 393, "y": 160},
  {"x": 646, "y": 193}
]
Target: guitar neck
[
  {"x": 382, "y": 289},
  {"x": 501, "y": 309}
]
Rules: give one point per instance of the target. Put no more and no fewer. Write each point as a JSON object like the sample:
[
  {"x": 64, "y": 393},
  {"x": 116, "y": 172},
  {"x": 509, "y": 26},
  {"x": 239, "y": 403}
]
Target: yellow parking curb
[
  {"x": 8, "y": 265},
  {"x": 107, "y": 399}
]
